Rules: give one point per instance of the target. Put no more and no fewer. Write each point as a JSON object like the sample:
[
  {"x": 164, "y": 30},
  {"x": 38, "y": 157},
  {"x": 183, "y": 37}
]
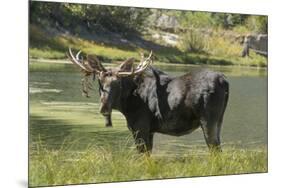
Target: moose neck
[
  {"x": 141, "y": 92},
  {"x": 127, "y": 97}
]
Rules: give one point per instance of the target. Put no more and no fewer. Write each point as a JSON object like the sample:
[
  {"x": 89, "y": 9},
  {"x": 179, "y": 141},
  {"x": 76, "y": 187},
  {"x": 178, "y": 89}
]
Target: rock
[
  {"x": 167, "y": 23},
  {"x": 258, "y": 43},
  {"x": 169, "y": 39}
]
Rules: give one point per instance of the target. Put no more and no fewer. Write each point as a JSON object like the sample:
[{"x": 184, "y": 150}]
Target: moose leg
[
  {"x": 211, "y": 134},
  {"x": 149, "y": 143},
  {"x": 219, "y": 125},
  {"x": 143, "y": 141},
  {"x": 108, "y": 122}
]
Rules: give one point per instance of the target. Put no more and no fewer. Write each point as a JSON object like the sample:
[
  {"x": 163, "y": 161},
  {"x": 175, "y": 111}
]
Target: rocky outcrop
[
  {"x": 258, "y": 43},
  {"x": 163, "y": 22},
  {"x": 166, "y": 22}
]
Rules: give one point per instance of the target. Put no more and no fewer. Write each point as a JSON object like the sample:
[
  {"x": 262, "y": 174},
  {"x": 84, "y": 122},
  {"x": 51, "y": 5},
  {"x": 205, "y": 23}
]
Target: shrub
[
  {"x": 193, "y": 41},
  {"x": 257, "y": 24},
  {"x": 219, "y": 46}
]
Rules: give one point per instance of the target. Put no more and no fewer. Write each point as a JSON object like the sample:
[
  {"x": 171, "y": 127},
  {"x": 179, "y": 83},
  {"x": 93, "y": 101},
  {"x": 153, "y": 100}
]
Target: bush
[
  {"x": 193, "y": 41},
  {"x": 73, "y": 16},
  {"x": 219, "y": 46},
  {"x": 258, "y": 24},
  {"x": 196, "y": 19}
]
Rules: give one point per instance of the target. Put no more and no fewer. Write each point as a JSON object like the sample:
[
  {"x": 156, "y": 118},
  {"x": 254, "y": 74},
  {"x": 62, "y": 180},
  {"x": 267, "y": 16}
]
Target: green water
[{"x": 61, "y": 116}]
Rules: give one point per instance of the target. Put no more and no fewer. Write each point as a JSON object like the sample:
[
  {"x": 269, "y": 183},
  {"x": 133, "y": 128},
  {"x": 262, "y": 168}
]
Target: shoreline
[{"x": 64, "y": 61}]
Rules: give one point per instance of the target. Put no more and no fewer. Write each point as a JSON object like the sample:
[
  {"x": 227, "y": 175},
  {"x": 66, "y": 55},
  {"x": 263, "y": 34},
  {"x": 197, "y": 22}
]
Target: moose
[{"x": 155, "y": 102}]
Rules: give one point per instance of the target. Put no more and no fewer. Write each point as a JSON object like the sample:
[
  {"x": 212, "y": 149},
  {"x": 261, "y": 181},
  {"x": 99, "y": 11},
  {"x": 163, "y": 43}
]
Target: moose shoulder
[{"x": 153, "y": 101}]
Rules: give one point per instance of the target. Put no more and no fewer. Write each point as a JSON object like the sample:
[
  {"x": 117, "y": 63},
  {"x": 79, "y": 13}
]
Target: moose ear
[
  {"x": 95, "y": 63},
  {"x": 127, "y": 65}
]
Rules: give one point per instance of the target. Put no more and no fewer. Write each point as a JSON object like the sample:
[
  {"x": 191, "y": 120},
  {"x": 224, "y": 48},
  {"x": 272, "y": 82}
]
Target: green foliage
[
  {"x": 237, "y": 19},
  {"x": 216, "y": 50},
  {"x": 257, "y": 24},
  {"x": 227, "y": 20},
  {"x": 193, "y": 41},
  {"x": 207, "y": 36},
  {"x": 73, "y": 16},
  {"x": 45, "y": 54},
  {"x": 219, "y": 46},
  {"x": 48, "y": 47},
  {"x": 96, "y": 164},
  {"x": 196, "y": 19},
  {"x": 210, "y": 20}
]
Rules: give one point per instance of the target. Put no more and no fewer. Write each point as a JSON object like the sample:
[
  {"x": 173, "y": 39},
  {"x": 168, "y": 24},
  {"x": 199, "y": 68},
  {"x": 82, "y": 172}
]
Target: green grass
[
  {"x": 103, "y": 164},
  {"x": 69, "y": 144},
  {"x": 45, "y": 53},
  {"x": 62, "y": 152},
  {"x": 220, "y": 51}
]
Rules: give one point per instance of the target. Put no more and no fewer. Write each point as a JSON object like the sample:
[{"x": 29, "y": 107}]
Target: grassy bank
[
  {"x": 96, "y": 164},
  {"x": 69, "y": 144},
  {"x": 220, "y": 50}
]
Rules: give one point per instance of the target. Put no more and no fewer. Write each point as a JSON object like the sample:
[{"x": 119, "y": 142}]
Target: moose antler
[
  {"x": 92, "y": 65},
  {"x": 76, "y": 61},
  {"x": 140, "y": 68}
]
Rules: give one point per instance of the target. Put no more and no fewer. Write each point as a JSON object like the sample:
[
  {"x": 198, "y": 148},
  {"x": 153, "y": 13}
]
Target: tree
[{"x": 70, "y": 16}]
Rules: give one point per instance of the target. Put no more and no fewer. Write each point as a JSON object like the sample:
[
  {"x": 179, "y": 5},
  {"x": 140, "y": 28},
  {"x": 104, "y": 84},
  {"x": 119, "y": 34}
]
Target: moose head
[{"x": 110, "y": 87}]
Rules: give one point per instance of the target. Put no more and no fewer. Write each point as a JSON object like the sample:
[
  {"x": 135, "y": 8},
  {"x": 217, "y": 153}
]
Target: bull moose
[{"x": 155, "y": 102}]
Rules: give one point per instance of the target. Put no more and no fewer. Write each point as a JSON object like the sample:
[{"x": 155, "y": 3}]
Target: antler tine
[
  {"x": 144, "y": 64},
  {"x": 77, "y": 55},
  {"x": 141, "y": 60},
  {"x": 76, "y": 61},
  {"x": 140, "y": 68},
  {"x": 148, "y": 60}
]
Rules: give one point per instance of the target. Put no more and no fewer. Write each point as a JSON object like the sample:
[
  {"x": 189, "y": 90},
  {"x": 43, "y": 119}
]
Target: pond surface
[{"x": 61, "y": 117}]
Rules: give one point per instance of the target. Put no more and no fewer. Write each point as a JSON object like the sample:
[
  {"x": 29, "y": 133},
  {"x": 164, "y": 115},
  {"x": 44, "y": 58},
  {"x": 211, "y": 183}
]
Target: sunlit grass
[
  {"x": 109, "y": 154},
  {"x": 104, "y": 164},
  {"x": 219, "y": 51},
  {"x": 55, "y": 47},
  {"x": 45, "y": 53},
  {"x": 61, "y": 65},
  {"x": 221, "y": 48}
]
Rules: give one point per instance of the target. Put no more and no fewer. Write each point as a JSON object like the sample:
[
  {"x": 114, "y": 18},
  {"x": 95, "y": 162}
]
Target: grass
[
  {"x": 62, "y": 65},
  {"x": 72, "y": 150},
  {"x": 220, "y": 51},
  {"x": 103, "y": 164},
  {"x": 228, "y": 50},
  {"x": 45, "y": 46}
]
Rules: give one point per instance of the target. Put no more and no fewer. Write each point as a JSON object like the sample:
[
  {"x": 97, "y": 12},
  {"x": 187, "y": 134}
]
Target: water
[{"x": 61, "y": 117}]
